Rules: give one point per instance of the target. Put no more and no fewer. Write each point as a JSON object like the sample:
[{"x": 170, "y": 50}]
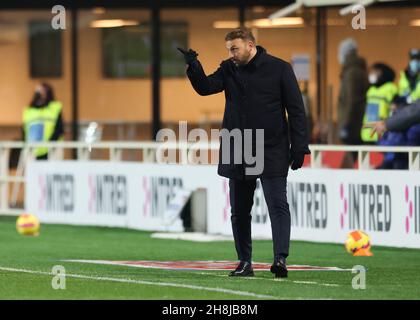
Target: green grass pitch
[{"x": 26, "y": 264}]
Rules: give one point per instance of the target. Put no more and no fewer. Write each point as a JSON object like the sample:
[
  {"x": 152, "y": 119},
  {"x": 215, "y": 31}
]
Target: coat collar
[
  {"x": 259, "y": 57},
  {"x": 255, "y": 62}
]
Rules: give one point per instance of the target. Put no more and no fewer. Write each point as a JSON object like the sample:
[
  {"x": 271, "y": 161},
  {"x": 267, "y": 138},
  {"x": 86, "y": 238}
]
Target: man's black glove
[
  {"x": 189, "y": 56},
  {"x": 296, "y": 160}
]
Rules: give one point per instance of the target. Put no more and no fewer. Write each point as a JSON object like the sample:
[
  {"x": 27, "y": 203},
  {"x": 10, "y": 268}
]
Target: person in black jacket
[
  {"x": 407, "y": 117},
  {"x": 401, "y": 129},
  {"x": 259, "y": 88}
]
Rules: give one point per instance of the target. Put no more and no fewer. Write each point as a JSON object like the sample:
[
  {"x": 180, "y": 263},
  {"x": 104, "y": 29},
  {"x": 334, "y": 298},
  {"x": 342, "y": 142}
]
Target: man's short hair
[{"x": 240, "y": 33}]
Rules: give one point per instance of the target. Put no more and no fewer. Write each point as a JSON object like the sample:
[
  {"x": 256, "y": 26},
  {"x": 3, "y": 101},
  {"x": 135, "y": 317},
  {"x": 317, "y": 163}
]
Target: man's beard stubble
[{"x": 243, "y": 61}]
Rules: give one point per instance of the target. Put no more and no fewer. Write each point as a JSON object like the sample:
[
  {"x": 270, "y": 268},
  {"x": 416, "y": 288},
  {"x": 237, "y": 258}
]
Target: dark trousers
[{"x": 241, "y": 201}]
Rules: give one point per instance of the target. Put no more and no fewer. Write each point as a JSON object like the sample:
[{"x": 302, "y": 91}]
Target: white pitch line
[
  {"x": 276, "y": 279},
  {"x": 152, "y": 283}
]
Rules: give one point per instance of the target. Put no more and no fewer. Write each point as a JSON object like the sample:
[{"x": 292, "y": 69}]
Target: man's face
[
  {"x": 40, "y": 90},
  {"x": 374, "y": 75},
  {"x": 414, "y": 65},
  {"x": 41, "y": 94},
  {"x": 239, "y": 51}
]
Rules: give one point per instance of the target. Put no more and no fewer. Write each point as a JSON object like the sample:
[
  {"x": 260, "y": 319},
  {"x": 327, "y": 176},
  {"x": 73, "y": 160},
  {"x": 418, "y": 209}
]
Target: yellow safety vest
[
  {"x": 378, "y": 107},
  {"x": 404, "y": 89},
  {"x": 39, "y": 124}
]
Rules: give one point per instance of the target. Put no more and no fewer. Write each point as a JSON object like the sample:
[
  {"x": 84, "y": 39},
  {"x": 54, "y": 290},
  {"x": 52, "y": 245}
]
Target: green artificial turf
[{"x": 392, "y": 273}]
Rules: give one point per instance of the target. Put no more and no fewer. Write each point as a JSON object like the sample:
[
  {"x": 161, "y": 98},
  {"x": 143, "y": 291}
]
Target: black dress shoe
[
  {"x": 279, "y": 268},
  {"x": 244, "y": 269}
]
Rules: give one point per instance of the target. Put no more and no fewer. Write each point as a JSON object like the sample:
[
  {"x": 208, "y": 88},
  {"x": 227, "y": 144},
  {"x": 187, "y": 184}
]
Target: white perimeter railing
[{"x": 150, "y": 152}]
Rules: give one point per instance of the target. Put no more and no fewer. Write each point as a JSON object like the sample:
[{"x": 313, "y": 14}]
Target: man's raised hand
[{"x": 189, "y": 56}]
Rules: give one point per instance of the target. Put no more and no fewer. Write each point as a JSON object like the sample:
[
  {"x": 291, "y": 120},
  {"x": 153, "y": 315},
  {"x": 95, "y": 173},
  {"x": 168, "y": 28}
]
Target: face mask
[
  {"x": 415, "y": 66},
  {"x": 373, "y": 78},
  {"x": 38, "y": 101}
]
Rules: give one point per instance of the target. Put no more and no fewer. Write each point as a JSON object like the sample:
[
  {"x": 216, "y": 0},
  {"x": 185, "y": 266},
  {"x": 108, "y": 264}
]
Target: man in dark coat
[
  {"x": 354, "y": 84},
  {"x": 259, "y": 89},
  {"x": 352, "y": 96}
]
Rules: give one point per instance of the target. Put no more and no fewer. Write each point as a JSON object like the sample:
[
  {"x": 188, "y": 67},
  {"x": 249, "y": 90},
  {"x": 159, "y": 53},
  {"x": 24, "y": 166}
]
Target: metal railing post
[
  {"x": 83, "y": 153},
  {"x": 414, "y": 160},
  {"x": 183, "y": 153},
  {"x": 148, "y": 155},
  {"x": 316, "y": 159},
  {"x": 4, "y": 174},
  {"x": 364, "y": 159},
  {"x": 55, "y": 153},
  {"x": 115, "y": 154}
]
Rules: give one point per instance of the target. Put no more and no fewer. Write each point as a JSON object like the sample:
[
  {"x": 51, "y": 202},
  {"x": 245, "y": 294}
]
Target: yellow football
[
  {"x": 356, "y": 241},
  {"x": 28, "y": 225}
]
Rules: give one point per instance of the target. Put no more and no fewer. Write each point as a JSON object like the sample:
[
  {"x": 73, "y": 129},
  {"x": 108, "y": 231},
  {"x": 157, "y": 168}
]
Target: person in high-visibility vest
[
  {"x": 379, "y": 97},
  {"x": 409, "y": 83},
  {"x": 42, "y": 119}
]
